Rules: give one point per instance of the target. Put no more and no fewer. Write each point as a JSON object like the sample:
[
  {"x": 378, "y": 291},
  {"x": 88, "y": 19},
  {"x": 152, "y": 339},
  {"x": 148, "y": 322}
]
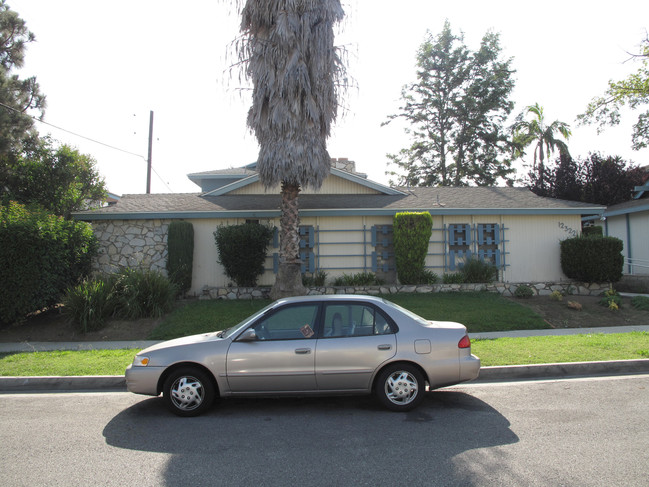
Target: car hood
[{"x": 188, "y": 340}]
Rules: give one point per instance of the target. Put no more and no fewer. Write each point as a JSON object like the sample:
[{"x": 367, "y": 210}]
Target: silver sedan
[{"x": 334, "y": 344}]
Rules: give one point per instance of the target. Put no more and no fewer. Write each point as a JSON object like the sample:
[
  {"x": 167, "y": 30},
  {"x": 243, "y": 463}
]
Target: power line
[{"x": 86, "y": 138}]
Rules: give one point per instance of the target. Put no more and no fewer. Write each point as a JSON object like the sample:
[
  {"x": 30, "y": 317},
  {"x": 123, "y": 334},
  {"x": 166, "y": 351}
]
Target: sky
[{"x": 104, "y": 66}]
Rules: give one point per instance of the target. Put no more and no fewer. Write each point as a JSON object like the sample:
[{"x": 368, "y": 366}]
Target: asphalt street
[{"x": 577, "y": 432}]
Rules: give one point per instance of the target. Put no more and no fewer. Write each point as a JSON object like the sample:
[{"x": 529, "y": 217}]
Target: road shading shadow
[{"x": 313, "y": 441}]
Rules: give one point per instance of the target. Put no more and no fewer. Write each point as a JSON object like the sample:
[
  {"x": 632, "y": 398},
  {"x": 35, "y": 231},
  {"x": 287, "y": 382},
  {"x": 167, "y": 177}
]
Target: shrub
[
  {"x": 180, "y": 255},
  {"x": 359, "y": 279},
  {"x": 611, "y": 299},
  {"x": 129, "y": 294},
  {"x": 640, "y": 302},
  {"x": 41, "y": 255},
  {"x": 592, "y": 259},
  {"x": 453, "y": 278},
  {"x": 524, "y": 292},
  {"x": 593, "y": 231},
  {"x": 475, "y": 270},
  {"x": 412, "y": 233},
  {"x": 556, "y": 296},
  {"x": 141, "y": 294},
  {"x": 428, "y": 277},
  {"x": 89, "y": 304},
  {"x": 242, "y": 251},
  {"x": 315, "y": 280}
]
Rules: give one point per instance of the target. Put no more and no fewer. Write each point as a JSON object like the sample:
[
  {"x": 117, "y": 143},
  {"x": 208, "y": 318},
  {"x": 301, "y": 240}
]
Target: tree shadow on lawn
[{"x": 314, "y": 441}]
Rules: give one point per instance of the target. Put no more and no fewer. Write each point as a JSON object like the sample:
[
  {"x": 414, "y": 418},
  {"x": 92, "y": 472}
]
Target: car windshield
[{"x": 228, "y": 332}]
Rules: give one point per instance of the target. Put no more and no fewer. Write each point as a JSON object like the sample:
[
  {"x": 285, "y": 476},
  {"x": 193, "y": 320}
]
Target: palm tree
[
  {"x": 543, "y": 136},
  {"x": 288, "y": 51}
]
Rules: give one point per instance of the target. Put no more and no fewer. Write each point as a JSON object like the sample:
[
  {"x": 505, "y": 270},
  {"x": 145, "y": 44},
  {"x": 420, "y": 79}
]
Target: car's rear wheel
[
  {"x": 400, "y": 387},
  {"x": 188, "y": 392}
]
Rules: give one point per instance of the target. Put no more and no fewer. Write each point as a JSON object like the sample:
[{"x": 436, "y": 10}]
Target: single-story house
[
  {"x": 629, "y": 221},
  {"x": 346, "y": 226}
]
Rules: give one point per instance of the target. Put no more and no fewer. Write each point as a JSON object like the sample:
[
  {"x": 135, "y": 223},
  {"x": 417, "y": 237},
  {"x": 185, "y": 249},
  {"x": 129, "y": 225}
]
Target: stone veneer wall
[
  {"x": 140, "y": 244},
  {"x": 504, "y": 288}
]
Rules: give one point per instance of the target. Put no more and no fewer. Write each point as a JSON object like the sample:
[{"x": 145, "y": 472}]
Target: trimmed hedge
[
  {"x": 592, "y": 259},
  {"x": 242, "y": 251},
  {"x": 180, "y": 255},
  {"x": 412, "y": 233},
  {"x": 41, "y": 255}
]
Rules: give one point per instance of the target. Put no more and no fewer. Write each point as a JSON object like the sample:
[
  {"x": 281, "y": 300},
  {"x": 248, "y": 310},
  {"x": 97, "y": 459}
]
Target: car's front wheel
[
  {"x": 188, "y": 392},
  {"x": 400, "y": 387}
]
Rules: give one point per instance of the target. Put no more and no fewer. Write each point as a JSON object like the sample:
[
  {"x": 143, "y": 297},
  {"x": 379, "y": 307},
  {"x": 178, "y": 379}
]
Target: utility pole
[{"x": 148, "y": 165}]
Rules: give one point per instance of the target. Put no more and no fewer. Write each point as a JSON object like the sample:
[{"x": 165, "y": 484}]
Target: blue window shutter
[
  {"x": 275, "y": 237},
  {"x": 467, "y": 234},
  {"x": 374, "y": 239},
  {"x": 375, "y": 263},
  {"x": 275, "y": 262}
]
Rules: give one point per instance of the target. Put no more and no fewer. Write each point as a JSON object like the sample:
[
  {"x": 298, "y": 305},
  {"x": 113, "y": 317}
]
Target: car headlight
[{"x": 140, "y": 361}]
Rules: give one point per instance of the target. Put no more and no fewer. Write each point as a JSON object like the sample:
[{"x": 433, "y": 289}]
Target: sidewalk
[{"x": 487, "y": 374}]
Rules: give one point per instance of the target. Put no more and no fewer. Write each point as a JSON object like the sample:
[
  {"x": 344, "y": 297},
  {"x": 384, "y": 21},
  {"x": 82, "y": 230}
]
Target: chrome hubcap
[
  {"x": 401, "y": 387},
  {"x": 187, "y": 393}
]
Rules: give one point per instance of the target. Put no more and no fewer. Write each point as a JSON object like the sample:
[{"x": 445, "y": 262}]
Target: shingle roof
[{"x": 464, "y": 200}]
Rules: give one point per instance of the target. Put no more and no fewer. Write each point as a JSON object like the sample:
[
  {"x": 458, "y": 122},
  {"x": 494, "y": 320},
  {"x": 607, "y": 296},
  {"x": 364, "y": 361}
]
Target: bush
[
  {"x": 315, "y": 280},
  {"x": 592, "y": 259},
  {"x": 477, "y": 271},
  {"x": 180, "y": 256},
  {"x": 141, "y": 294},
  {"x": 242, "y": 251},
  {"x": 611, "y": 300},
  {"x": 412, "y": 233},
  {"x": 524, "y": 292},
  {"x": 129, "y": 294},
  {"x": 89, "y": 304},
  {"x": 453, "y": 278},
  {"x": 41, "y": 255},
  {"x": 640, "y": 302},
  {"x": 593, "y": 231},
  {"x": 359, "y": 279}
]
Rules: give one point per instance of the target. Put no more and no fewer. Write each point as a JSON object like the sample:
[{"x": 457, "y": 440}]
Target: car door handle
[
  {"x": 385, "y": 347},
  {"x": 302, "y": 351}
]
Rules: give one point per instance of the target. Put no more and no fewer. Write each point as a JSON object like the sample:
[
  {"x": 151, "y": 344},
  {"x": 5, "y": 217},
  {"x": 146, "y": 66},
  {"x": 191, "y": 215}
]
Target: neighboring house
[
  {"x": 629, "y": 221},
  {"x": 346, "y": 226}
]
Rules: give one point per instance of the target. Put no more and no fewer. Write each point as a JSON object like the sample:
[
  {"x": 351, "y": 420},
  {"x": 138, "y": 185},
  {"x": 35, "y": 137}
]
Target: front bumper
[{"x": 143, "y": 380}]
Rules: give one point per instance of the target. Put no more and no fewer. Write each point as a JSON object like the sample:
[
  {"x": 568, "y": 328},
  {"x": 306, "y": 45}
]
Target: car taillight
[{"x": 464, "y": 342}]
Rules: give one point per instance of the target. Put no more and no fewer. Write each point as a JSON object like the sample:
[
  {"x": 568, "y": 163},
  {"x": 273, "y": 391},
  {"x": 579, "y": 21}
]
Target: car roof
[{"x": 330, "y": 297}]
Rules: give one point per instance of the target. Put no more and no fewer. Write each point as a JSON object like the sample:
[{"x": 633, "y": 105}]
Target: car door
[
  {"x": 282, "y": 356},
  {"x": 356, "y": 339}
]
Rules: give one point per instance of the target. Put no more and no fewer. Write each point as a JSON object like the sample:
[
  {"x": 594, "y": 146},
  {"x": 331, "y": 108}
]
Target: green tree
[
  {"x": 289, "y": 54},
  {"x": 456, "y": 110},
  {"x": 604, "y": 180},
  {"x": 18, "y": 97},
  {"x": 58, "y": 179},
  {"x": 543, "y": 136},
  {"x": 634, "y": 91}
]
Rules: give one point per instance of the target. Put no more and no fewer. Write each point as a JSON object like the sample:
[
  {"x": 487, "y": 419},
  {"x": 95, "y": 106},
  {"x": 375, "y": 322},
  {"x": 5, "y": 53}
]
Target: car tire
[
  {"x": 188, "y": 391},
  {"x": 400, "y": 387}
]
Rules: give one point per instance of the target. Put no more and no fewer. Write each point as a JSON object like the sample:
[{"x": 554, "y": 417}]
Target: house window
[
  {"x": 488, "y": 239},
  {"x": 459, "y": 244}
]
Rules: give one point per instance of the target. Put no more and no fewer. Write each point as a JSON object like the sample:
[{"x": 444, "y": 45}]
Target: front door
[{"x": 282, "y": 358}]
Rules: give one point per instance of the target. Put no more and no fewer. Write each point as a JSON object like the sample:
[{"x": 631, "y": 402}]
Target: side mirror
[{"x": 248, "y": 336}]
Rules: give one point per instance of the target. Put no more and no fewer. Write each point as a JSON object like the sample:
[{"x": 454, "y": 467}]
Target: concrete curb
[{"x": 487, "y": 374}]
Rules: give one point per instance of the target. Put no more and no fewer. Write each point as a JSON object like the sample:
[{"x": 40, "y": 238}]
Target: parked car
[{"x": 333, "y": 344}]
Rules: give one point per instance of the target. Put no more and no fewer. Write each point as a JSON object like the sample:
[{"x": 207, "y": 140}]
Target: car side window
[
  {"x": 288, "y": 323},
  {"x": 350, "y": 320}
]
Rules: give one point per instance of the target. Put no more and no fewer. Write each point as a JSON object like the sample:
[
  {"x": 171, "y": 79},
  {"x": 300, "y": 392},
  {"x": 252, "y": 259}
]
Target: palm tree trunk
[{"x": 289, "y": 276}]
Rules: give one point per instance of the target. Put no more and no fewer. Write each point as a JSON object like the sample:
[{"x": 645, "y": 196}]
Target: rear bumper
[{"x": 469, "y": 368}]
